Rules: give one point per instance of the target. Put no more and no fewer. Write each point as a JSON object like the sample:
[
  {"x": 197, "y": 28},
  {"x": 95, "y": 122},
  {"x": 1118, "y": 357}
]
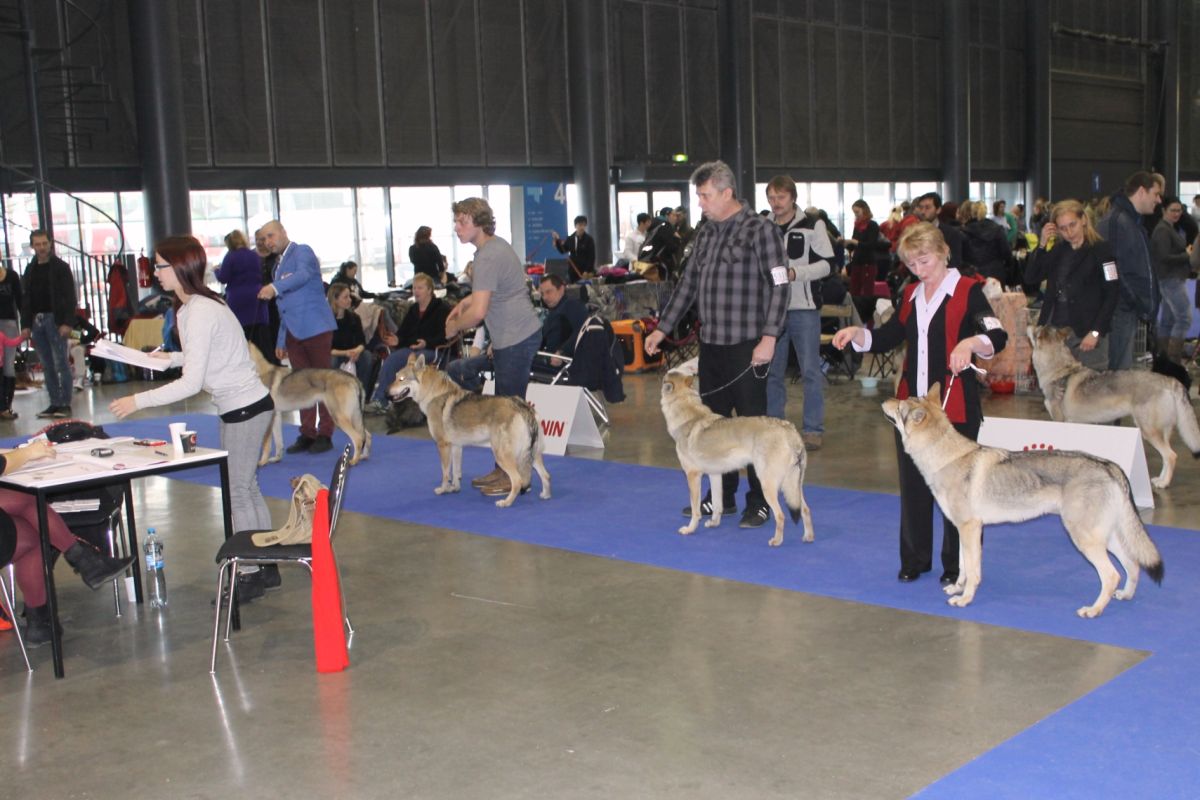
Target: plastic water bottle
[{"x": 156, "y": 581}]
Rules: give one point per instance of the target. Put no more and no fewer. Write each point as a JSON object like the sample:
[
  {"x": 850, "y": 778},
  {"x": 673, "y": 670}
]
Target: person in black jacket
[
  {"x": 425, "y": 256},
  {"x": 423, "y": 329},
  {"x": 349, "y": 340},
  {"x": 10, "y": 326},
  {"x": 1081, "y": 281},
  {"x": 580, "y": 248},
  {"x": 864, "y": 249},
  {"x": 945, "y": 316},
  {"x": 986, "y": 247},
  {"x": 48, "y": 315},
  {"x": 928, "y": 207}
]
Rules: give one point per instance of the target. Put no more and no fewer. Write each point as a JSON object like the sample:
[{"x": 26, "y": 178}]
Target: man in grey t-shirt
[{"x": 499, "y": 297}]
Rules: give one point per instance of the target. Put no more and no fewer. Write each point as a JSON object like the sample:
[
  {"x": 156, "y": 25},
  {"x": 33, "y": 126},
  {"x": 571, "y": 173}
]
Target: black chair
[
  {"x": 8, "y": 545},
  {"x": 241, "y": 549}
]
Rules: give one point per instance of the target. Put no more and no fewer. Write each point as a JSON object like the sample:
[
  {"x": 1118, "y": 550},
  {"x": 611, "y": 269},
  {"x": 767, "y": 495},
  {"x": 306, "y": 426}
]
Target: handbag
[{"x": 299, "y": 526}]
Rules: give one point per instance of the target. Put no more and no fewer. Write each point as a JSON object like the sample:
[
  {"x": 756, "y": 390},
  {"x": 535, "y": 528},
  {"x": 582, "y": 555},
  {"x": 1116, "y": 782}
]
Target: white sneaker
[{"x": 78, "y": 384}]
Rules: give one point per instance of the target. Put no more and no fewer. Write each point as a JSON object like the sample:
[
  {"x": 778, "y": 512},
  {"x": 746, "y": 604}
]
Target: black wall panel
[
  {"x": 796, "y": 97},
  {"x": 768, "y": 103},
  {"x": 700, "y": 37},
  {"x": 503, "y": 85},
  {"x": 549, "y": 122},
  {"x": 237, "y": 84},
  {"x": 876, "y": 99},
  {"x": 299, "y": 100},
  {"x": 1189, "y": 91},
  {"x": 193, "y": 75},
  {"x": 902, "y": 119},
  {"x": 456, "y": 67},
  {"x": 852, "y": 118},
  {"x": 665, "y": 71},
  {"x": 352, "y": 64},
  {"x": 826, "y": 96},
  {"x": 407, "y": 83},
  {"x": 96, "y": 143},
  {"x": 997, "y": 83}
]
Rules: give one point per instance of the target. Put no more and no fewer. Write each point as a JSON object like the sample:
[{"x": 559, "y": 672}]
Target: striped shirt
[{"x": 729, "y": 277}]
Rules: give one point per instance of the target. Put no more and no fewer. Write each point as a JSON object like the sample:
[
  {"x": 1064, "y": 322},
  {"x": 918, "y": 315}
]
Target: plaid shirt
[{"x": 729, "y": 275}]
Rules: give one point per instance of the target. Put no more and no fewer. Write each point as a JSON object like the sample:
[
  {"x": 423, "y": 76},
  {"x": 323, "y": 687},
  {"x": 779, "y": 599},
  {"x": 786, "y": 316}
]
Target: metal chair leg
[
  {"x": 212, "y": 667},
  {"x": 113, "y": 546},
  {"x": 10, "y": 600}
]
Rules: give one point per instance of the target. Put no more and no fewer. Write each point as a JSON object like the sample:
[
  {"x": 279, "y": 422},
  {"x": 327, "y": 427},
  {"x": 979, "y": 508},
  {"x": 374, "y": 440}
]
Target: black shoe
[
  {"x": 47, "y": 412},
  {"x": 250, "y": 586},
  {"x": 270, "y": 575},
  {"x": 301, "y": 445},
  {"x": 61, "y": 412},
  {"x": 755, "y": 517},
  {"x": 37, "y": 625},
  {"x": 706, "y": 509},
  {"x": 908, "y": 575},
  {"x": 95, "y": 567},
  {"x": 321, "y": 444},
  {"x": 948, "y": 578}
]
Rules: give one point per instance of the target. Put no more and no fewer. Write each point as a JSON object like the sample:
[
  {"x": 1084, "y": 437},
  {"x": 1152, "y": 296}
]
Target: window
[
  {"x": 373, "y": 230},
  {"x": 214, "y": 215},
  {"x": 323, "y": 219},
  {"x": 133, "y": 223},
  {"x": 21, "y": 217},
  {"x": 414, "y": 206},
  {"x": 65, "y": 213},
  {"x": 260, "y": 209},
  {"x": 99, "y": 233}
]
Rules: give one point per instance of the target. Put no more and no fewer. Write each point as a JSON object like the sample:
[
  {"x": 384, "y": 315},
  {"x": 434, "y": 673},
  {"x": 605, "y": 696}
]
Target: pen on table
[{"x": 159, "y": 453}]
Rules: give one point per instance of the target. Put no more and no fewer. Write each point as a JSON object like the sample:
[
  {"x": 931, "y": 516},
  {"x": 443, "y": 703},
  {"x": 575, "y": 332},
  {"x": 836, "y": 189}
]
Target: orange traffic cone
[{"x": 328, "y": 634}]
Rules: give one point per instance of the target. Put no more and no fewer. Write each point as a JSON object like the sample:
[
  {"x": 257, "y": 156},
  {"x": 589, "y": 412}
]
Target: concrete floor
[{"x": 485, "y": 668}]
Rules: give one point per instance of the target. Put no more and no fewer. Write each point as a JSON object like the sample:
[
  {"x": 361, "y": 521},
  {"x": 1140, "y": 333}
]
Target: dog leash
[
  {"x": 982, "y": 373},
  {"x": 738, "y": 378}
]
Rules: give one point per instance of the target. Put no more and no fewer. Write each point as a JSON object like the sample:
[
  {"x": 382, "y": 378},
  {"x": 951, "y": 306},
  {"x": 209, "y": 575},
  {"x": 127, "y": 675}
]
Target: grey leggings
[
  {"x": 243, "y": 441},
  {"x": 10, "y": 328}
]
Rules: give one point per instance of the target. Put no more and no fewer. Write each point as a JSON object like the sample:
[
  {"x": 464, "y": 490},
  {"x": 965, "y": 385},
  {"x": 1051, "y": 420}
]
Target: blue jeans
[
  {"x": 1176, "y": 308},
  {"x": 1120, "y": 337},
  {"x": 513, "y": 364},
  {"x": 391, "y": 365},
  {"x": 466, "y": 371},
  {"x": 802, "y": 330},
  {"x": 51, "y": 348}
]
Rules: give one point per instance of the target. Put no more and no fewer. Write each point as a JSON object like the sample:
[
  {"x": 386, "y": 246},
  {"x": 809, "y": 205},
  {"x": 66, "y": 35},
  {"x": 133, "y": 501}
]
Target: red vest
[{"x": 956, "y": 309}]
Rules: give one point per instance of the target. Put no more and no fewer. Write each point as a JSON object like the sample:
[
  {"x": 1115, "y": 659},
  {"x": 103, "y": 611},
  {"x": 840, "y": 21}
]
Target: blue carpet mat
[{"x": 1137, "y": 735}]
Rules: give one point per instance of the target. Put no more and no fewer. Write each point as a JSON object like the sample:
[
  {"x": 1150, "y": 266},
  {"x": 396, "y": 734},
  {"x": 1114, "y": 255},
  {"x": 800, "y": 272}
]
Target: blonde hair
[
  {"x": 1073, "y": 206},
  {"x": 920, "y": 239},
  {"x": 236, "y": 240},
  {"x": 335, "y": 290},
  {"x": 425, "y": 279}
]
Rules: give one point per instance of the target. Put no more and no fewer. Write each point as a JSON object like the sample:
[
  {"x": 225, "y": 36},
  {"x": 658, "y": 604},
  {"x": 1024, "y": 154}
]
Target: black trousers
[
  {"x": 747, "y": 395},
  {"x": 916, "y": 513}
]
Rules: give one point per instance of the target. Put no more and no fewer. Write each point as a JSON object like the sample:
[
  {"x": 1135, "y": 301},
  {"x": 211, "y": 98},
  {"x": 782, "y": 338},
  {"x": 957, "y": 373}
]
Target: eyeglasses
[{"x": 161, "y": 266}]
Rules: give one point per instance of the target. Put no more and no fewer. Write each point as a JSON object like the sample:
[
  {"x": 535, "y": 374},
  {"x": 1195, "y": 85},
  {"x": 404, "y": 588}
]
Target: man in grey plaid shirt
[{"x": 737, "y": 279}]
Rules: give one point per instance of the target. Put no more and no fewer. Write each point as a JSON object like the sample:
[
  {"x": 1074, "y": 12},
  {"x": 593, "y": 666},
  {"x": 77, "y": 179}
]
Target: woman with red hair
[{"x": 214, "y": 359}]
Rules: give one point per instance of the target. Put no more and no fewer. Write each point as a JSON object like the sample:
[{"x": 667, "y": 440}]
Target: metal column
[
  {"x": 40, "y": 189},
  {"x": 1037, "y": 123},
  {"x": 158, "y": 98},
  {"x": 587, "y": 55},
  {"x": 956, "y": 100},
  {"x": 1166, "y": 145}
]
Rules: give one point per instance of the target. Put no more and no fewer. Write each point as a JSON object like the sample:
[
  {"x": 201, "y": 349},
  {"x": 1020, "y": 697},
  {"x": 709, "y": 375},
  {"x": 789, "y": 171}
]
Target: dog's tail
[
  {"x": 793, "y": 483},
  {"x": 1132, "y": 533},
  {"x": 1189, "y": 430},
  {"x": 535, "y": 435}
]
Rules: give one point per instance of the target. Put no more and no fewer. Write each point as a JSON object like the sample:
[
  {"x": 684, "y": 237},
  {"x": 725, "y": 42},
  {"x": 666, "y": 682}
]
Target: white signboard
[
  {"x": 564, "y": 415},
  {"x": 1122, "y": 446}
]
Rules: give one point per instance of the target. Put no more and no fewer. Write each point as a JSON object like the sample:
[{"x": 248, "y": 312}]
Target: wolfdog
[
  {"x": 292, "y": 390},
  {"x": 1074, "y": 393},
  {"x": 976, "y": 486},
  {"x": 709, "y": 444},
  {"x": 457, "y": 417}
]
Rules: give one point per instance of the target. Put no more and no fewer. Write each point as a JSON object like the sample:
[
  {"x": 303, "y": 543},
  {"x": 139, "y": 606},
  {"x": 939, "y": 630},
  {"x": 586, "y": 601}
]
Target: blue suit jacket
[{"x": 303, "y": 310}]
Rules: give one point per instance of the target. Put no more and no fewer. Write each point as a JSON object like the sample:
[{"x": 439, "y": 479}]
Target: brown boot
[{"x": 493, "y": 476}]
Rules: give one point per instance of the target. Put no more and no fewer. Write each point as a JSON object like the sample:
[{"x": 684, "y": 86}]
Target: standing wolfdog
[
  {"x": 1074, "y": 393},
  {"x": 457, "y": 417},
  {"x": 976, "y": 486},
  {"x": 709, "y": 444}
]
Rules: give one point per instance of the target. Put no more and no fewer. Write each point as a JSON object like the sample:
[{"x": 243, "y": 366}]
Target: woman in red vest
[{"x": 946, "y": 321}]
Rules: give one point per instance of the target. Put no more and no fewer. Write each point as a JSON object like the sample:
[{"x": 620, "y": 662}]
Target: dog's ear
[
  {"x": 917, "y": 416},
  {"x": 689, "y": 381},
  {"x": 418, "y": 363},
  {"x": 935, "y": 393}
]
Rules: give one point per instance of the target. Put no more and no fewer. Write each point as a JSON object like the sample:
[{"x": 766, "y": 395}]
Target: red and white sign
[
  {"x": 564, "y": 415},
  {"x": 1122, "y": 446}
]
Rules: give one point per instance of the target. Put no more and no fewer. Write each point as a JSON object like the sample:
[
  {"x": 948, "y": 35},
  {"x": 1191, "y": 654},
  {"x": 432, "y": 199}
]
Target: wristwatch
[{"x": 1094, "y": 333}]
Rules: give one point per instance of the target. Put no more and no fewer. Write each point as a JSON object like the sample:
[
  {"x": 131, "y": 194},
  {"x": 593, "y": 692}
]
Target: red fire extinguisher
[{"x": 144, "y": 271}]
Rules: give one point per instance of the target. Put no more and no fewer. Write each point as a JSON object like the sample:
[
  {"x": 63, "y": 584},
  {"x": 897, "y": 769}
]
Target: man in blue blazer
[{"x": 306, "y": 325}]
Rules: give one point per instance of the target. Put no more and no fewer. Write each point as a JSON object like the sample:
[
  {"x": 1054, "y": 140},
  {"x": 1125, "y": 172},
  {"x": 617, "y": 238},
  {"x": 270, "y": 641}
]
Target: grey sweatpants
[{"x": 243, "y": 441}]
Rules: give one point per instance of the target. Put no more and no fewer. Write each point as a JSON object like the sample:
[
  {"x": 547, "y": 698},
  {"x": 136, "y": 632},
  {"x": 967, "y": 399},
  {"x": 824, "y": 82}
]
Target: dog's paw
[
  {"x": 545, "y": 495},
  {"x": 1159, "y": 483},
  {"x": 688, "y": 529},
  {"x": 959, "y": 601},
  {"x": 1089, "y": 612},
  {"x": 442, "y": 489},
  {"x": 776, "y": 540},
  {"x": 952, "y": 589},
  {"x": 503, "y": 502},
  {"x": 712, "y": 522},
  {"x": 275, "y": 459},
  {"x": 1123, "y": 594}
]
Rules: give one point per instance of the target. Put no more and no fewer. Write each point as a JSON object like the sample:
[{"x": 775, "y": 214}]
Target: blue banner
[{"x": 545, "y": 211}]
